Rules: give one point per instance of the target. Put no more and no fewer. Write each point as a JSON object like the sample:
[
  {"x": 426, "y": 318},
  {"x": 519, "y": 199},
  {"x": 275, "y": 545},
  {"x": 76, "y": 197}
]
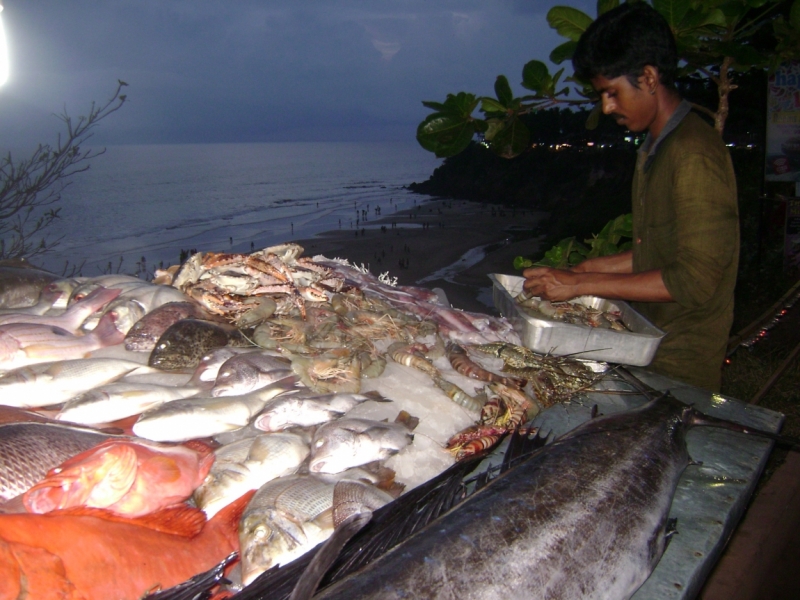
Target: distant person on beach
[{"x": 682, "y": 269}]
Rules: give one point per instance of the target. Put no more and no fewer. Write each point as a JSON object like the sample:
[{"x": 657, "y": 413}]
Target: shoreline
[{"x": 449, "y": 244}]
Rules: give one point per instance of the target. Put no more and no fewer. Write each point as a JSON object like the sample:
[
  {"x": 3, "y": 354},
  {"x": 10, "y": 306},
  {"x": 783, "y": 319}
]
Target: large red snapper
[
  {"x": 85, "y": 555},
  {"x": 128, "y": 477}
]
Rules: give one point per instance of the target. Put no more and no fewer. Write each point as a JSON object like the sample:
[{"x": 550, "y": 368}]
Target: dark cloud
[{"x": 215, "y": 70}]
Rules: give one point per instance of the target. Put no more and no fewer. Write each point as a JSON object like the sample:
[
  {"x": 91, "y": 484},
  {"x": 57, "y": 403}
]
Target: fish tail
[
  {"x": 107, "y": 333},
  {"x": 228, "y": 518}
]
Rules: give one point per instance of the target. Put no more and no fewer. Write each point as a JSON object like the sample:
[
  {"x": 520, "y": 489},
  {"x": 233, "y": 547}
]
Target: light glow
[{"x": 3, "y": 51}]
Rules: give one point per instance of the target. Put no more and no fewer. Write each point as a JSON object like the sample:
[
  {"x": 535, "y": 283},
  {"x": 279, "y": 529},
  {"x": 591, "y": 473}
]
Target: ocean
[{"x": 139, "y": 206}]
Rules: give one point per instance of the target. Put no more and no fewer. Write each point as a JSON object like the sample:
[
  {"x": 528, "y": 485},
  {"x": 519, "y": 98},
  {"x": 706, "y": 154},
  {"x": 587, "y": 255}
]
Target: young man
[{"x": 682, "y": 269}]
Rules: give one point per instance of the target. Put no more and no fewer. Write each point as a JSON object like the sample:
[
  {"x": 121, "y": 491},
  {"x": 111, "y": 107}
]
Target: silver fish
[
  {"x": 247, "y": 465},
  {"x": 45, "y": 384},
  {"x": 29, "y": 450},
  {"x": 72, "y": 318},
  {"x": 307, "y": 409},
  {"x": 211, "y": 362},
  {"x": 289, "y": 516},
  {"x": 247, "y": 372},
  {"x": 23, "y": 344},
  {"x": 584, "y": 517},
  {"x": 120, "y": 400},
  {"x": 21, "y": 283},
  {"x": 347, "y": 443},
  {"x": 191, "y": 418}
]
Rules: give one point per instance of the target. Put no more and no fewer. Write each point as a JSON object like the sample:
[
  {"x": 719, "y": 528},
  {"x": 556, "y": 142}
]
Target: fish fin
[
  {"x": 180, "y": 519},
  {"x": 670, "y": 530},
  {"x": 31, "y": 572},
  {"x": 405, "y": 418},
  {"x": 232, "y": 513},
  {"x": 106, "y": 332},
  {"x": 376, "y": 396}
]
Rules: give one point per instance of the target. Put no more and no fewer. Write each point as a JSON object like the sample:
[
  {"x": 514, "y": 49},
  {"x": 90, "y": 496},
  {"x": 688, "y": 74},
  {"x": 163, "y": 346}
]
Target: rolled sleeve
[{"x": 706, "y": 229}]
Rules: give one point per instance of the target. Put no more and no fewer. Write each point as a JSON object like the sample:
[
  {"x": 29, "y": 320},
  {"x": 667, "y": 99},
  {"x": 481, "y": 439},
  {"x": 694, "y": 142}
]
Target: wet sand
[{"x": 416, "y": 244}]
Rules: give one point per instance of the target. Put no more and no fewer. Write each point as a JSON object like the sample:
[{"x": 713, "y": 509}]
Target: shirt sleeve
[{"x": 707, "y": 227}]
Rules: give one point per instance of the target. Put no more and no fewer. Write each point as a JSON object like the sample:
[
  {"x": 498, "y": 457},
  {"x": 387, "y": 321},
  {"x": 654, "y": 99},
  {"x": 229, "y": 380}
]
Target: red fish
[
  {"x": 88, "y": 554},
  {"x": 128, "y": 477}
]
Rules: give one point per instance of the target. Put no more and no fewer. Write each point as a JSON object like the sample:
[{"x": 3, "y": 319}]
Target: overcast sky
[{"x": 259, "y": 70}]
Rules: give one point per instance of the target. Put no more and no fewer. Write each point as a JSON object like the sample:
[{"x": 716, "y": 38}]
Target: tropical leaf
[
  {"x": 563, "y": 52},
  {"x": 503, "y": 91},
  {"x": 490, "y": 105},
  {"x": 568, "y": 22},
  {"x": 672, "y": 10},
  {"x": 511, "y": 140},
  {"x": 536, "y": 77},
  {"x": 603, "y": 6},
  {"x": 445, "y": 135},
  {"x": 593, "y": 120}
]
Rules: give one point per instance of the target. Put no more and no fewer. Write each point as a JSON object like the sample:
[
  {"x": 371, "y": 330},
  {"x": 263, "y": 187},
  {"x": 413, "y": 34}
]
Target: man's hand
[{"x": 551, "y": 284}]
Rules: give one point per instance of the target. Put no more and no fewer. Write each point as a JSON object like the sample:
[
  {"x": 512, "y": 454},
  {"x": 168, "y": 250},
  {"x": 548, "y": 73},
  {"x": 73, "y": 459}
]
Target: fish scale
[{"x": 29, "y": 450}]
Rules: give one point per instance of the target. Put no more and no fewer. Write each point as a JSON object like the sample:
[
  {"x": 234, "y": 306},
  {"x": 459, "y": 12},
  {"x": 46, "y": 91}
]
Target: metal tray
[{"x": 635, "y": 347}]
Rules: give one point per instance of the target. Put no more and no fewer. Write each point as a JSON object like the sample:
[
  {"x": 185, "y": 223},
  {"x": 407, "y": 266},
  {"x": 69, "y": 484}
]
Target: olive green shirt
[{"x": 686, "y": 223}]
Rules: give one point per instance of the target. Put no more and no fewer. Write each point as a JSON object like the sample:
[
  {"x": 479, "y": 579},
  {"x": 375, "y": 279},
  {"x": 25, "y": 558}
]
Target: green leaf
[
  {"x": 697, "y": 18},
  {"x": 672, "y": 10},
  {"x": 536, "y": 77},
  {"x": 503, "y": 91},
  {"x": 445, "y": 135},
  {"x": 520, "y": 262},
  {"x": 794, "y": 14},
  {"x": 437, "y": 106},
  {"x": 563, "y": 52},
  {"x": 511, "y": 140},
  {"x": 568, "y": 22},
  {"x": 743, "y": 55},
  {"x": 493, "y": 127},
  {"x": 490, "y": 105},
  {"x": 461, "y": 104},
  {"x": 593, "y": 120},
  {"x": 603, "y": 6}
]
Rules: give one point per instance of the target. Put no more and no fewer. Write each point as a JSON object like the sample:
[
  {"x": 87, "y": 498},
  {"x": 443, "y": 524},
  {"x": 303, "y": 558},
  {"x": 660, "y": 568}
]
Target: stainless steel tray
[{"x": 635, "y": 347}]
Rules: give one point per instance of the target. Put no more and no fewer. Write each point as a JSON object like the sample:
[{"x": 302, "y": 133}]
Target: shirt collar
[{"x": 650, "y": 146}]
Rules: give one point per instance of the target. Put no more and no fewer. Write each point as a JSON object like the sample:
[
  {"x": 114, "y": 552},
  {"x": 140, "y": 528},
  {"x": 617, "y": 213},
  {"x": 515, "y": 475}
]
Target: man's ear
[{"x": 651, "y": 78}]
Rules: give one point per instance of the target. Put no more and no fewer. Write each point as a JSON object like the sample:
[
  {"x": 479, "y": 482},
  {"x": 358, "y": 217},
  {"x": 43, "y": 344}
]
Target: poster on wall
[{"x": 783, "y": 124}]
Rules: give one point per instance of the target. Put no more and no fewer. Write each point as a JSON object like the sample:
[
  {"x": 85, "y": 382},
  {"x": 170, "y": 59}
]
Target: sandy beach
[{"x": 447, "y": 244}]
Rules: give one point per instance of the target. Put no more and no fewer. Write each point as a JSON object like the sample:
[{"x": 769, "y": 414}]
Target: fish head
[
  {"x": 334, "y": 451},
  {"x": 235, "y": 377},
  {"x": 265, "y": 538},
  {"x": 96, "y": 478}
]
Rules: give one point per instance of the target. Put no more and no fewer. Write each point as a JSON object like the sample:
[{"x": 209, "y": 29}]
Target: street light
[{"x": 3, "y": 51}]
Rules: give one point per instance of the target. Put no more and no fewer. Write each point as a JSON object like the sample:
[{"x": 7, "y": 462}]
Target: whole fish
[
  {"x": 247, "y": 465},
  {"x": 115, "y": 401},
  {"x": 212, "y": 361},
  {"x": 21, "y": 283},
  {"x": 29, "y": 450},
  {"x": 183, "y": 344},
  {"x": 305, "y": 409},
  {"x": 289, "y": 516},
  {"x": 192, "y": 418},
  {"x": 72, "y": 318},
  {"x": 128, "y": 477},
  {"x": 584, "y": 517},
  {"x": 136, "y": 302},
  {"x": 347, "y": 443},
  {"x": 23, "y": 344},
  {"x": 244, "y": 373},
  {"x": 45, "y": 384},
  {"x": 83, "y": 553},
  {"x": 144, "y": 334}
]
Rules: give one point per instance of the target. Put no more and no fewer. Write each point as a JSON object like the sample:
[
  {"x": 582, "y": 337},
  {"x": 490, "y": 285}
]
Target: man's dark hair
[{"x": 625, "y": 40}]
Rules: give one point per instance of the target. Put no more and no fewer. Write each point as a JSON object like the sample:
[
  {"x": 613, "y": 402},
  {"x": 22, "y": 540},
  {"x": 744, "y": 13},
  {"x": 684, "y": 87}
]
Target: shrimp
[
  {"x": 457, "y": 395},
  {"x": 463, "y": 364}
]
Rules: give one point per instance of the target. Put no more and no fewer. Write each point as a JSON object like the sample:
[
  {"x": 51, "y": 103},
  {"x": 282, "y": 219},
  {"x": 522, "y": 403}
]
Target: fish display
[
  {"x": 29, "y": 450},
  {"x": 247, "y": 465},
  {"x": 584, "y": 517},
  {"x": 132, "y": 478},
  {"x": 289, "y": 516},
  {"x": 21, "y": 283},
  {"x": 289, "y": 388},
  {"x": 73, "y": 317}
]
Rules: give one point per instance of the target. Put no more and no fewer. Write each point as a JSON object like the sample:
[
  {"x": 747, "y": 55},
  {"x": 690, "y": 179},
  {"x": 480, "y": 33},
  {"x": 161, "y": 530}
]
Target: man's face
[{"x": 635, "y": 108}]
